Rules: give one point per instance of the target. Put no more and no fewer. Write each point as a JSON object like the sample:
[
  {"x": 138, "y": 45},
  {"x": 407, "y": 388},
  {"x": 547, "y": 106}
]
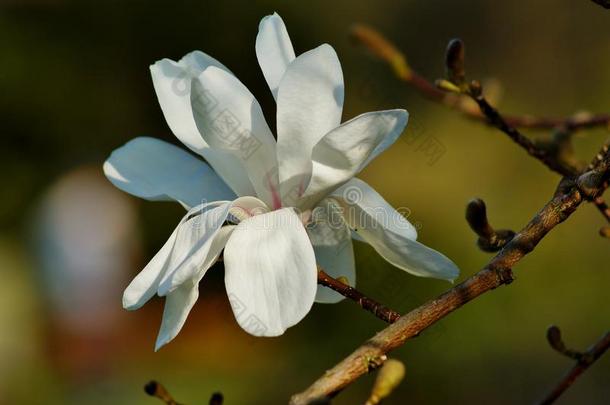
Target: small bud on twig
[
  {"x": 155, "y": 389},
  {"x": 489, "y": 240},
  {"x": 454, "y": 61},
  {"x": 388, "y": 378},
  {"x": 605, "y": 231},
  {"x": 553, "y": 335}
]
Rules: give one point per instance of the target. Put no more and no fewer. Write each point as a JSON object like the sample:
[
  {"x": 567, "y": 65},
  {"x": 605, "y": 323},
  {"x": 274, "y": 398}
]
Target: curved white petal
[
  {"x": 273, "y": 50},
  {"x": 347, "y": 149},
  {"x": 172, "y": 82},
  {"x": 196, "y": 62},
  {"x": 270, "y": 272},
  {"x": 390, "y": 234},
  {"x": 178, "y": 304},
  {"x": 156, "y": 170},
  {"x": 332, "y": 244},
  {"x": 146, "y": 283},
  {"x": 180, "y": 301},
  {"x": 193, "y": 241},
  {"x": 309, "y": 105},
  {"x": 204, "y": 237},
  {"x": 144, "y": 286},
  {"x": 236, "y": 125}
]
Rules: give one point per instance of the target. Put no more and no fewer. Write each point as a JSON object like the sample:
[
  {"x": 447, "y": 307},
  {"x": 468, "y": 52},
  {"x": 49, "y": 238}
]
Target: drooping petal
[
  {"x": 172, "y": 82},
  {"x": 193, "y": 242},
  {"x": 236, "y": 125},
  {"x": 390, "y": 234},
  {"x": 332, "y": 243},
  {"x": 156, "y": 170},
  {"x": 144, "y": 286},
  {"x": 309, "y": 105},
  {"x": 347, "y": 149},
  {"x": 270, "y": 272},
  {"x": 205, "y": 238},
  {"x": 178, "y": 304},
  {"x": 146, "y": 283},
  {"x": 273, "y": 50},
  {"x": 181, "y": 300}
]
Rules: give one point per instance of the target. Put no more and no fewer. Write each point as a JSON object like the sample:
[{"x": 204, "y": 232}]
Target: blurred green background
[{"x": 74, "y": 85}]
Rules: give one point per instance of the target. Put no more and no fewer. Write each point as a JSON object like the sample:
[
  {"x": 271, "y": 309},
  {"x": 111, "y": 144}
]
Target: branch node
[{"x": 374, "y": 362}]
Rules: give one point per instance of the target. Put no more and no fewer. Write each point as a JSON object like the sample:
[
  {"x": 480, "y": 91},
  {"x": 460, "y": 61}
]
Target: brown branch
[
  {"x": 495, "y": 119},
  {"x": 568, "y": 196},
  {"x": 385, "y": 50},
  {"x": 583, "y": 361},
  {"x": 380, "y": 311}
]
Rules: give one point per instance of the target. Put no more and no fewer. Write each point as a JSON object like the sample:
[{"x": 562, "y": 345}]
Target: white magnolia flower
[{"x": 256, "y": 195}]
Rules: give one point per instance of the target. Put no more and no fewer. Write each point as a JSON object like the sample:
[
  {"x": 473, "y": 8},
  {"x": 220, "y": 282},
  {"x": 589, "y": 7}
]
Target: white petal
[
  {"x": 390, "y": 234},
  {"x": 332, "y": 243},
  {"x": 180, "y": 300},
  {"x": 344, "y": 151},
  {"x": 155, "y": 170},
  {"x": 178, "y": 304},
  {"x": 145, "y": 284},
  {"x": 193, "y": 242},
  {"x": 236, "y": 125},
  {"x": 172, "y": 82},
  {"x": 204, "y": 237},
  {"x": 270, "y": 272},
  {"x": 273, "y": 50},
  {"x": 309, "y": 105},
  {"x": 196, "y": 62}
]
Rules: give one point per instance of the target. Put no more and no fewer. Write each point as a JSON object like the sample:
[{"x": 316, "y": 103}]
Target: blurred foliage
[{"x": 75, "y": 85}]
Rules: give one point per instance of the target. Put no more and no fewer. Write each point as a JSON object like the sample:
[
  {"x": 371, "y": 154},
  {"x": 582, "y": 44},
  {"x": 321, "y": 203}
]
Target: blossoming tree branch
[{"x": 282, "y": 210}]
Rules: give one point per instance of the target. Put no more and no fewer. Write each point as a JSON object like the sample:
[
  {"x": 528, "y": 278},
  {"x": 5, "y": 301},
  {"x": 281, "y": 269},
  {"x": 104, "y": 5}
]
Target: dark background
[{"x": 74, "y": 85}]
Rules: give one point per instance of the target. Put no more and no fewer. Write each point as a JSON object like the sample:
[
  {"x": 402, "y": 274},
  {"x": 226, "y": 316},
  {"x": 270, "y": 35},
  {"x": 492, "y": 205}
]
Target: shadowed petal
[
  {"x": 236, "y": 125},
  {"x": 390, "y": 234},
  {"x": 156, "y": 170},
  {"x": 332, "y": 243},
  {"x": 309, "y": 105},
  {"x": 347, "y": 149},
  {"x": 172, "y": 82}
]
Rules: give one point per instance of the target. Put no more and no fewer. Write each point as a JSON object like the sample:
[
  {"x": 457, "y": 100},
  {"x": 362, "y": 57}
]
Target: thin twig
[
  {"x": 380, "y": 311},
  {"x": 583, "y": 362},
  {"x": 497, "y": 272},
  {"x": 385, "y": 50},
  {"x": 495, "y": 119}
]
